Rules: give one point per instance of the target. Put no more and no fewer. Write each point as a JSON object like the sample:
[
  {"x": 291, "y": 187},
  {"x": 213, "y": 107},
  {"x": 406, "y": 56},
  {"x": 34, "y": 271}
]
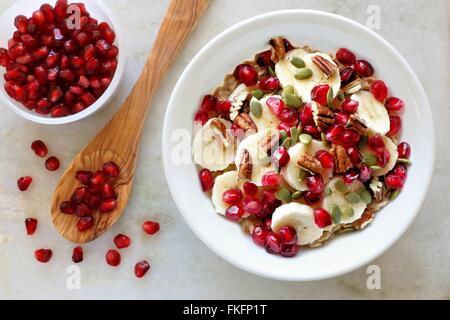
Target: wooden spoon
[{"x": 119, "y": 140}]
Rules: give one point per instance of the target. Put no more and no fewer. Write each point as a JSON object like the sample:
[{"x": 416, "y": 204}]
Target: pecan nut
[
  {"x": 325, "y": 118},
  {"x": 269, "y": 143},
  {"x": 279, "y": 49},
  {"x": 246, "y": 123},
  {"x": 245, "y": 166},
  {"x": 310, "y": 163},
  {"x": 358, "y": 125},
  {"x": 324, "y": 65},
  {"x": 342, "y": 161},
  {"x": 365, "y": 219},
  {"x": 220, "y": 126}
]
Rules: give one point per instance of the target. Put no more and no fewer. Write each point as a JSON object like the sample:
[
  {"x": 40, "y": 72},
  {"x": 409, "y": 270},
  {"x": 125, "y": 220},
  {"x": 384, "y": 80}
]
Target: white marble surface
[{"x": 417, "y": 266}]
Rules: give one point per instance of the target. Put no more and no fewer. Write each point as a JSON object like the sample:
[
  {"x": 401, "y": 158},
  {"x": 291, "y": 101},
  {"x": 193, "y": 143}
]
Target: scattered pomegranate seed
[
  {"x": 363, "y": 68},
  {"x": 85, "y": 223},
  {"x": 276, "y": 105},
  {"x": 201, "y": 117},
  {"x": 394, "y": 181},
  {"x": 67, "y": 207},
  {"x": 351, "y": 175},
  {"x": 400, "y": 169},
  {"x": 289, "y": 250},
  {"x": 24, "y": 182},
  {"x": 345, "y": 56},
  {"x": 383, "y": 156},
  {"x": 375, "y": 142},
  {"x": 288, "y": 235},
  {"x": 43, "y": 255},
  {"x": 206, "y": 180},
  {"x": 350, "y": 137},
  {"x": 77, "y": 254},
  {"x": 232, "y": 196},
  {"x": 319, "y": 94},
  {"x": 315, "y": 183},
  {"x": 379, "y": 90},
  {"x": 269, "y": 83},
  {"x": 306, "y": 116},
  {"x": 31, "y": 225},
  {"x": 281, "y": 157},
  {"x": 286, "y": 127},
  {"x": 223, "y": 107},
  {"x": 341, "y": 118},
  {"x": 347, "y": 75},
  {"x": 271, "y": 179},
  {"x": 39, "y": 148},
  {"x": 354, "y": 155},
  {"x": 112, "y": 258},
  {"x": 208, "y": 103},
  {"x": 247, "y": 74},
  {"x": 335, "y": 133},
  {"x": 365, "y": 173},
  {"x": 122, "y": 241},
  {"x": 84, "y": 177},
  {"x": 250, "y": 189},
  {"x": 289, "y": 116},
  {"x": 150, "y": 227},
  {"x": 273, "y": 244},
  {"x": 322, "y": 218},
  {"x": 395, "y": 125},
  {"x": 312, "y": 197},
  {"x": 141, "y": 268},
  {"x": 394, "y": 104},
  {"x": 264, "y": 59},
  {"x": 325, "y": 158},
  {"x": 252, "y": 206},
  {"x": 52, "y": 164},
  {"x": 269, "y": 204},
  {"x": 349, "y": 105},
  {"x": 268, "y": 223},
  {"x": 404, "y": 150},
  {"x": 234, "y": 213},
  {"x": 110, "y": 169},
  {"x": 259, "y": 235},
  {"x": 108, "y": 205}
]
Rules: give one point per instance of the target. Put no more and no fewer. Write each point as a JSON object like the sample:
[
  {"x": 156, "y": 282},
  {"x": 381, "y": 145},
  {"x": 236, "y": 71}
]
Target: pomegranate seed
[
  {"x": 113, "y": 52},
  {"x": 61, "y": 8},
  {"x": 259, "y": 235},
  {"x": 404, "y": 150},
  {"x": 247, "y": 74},
  {"x": 150, "y": 227},
  {"x": 94, "y": 201},
  {"x": 335, "y": 133},
  {"x": 269, "y": 83},
  {"x": 83, "y": 210},
  {"x": 281, "y": 157},
  {"x": 4, "y": 58},
  {"x": 395, "y": 125},
  {"x": 264, "y": 59},
  {"x": 79, "y": 195},
  {"x": 122, "y": 241},
  {"x": 84, "y": 177},
  {"x": 379, "y": 90},
  {"x": 39, "y": 18},
  {"x": 52, "y": 164},
  {"x": 394, "y": 104},
  {"x": 394, "y": 181},
  {"x": 289, "y": 250},
  {"x": 285, "y": 127},
  {"x": 55, "y": 93},
  {"x": 319, "y": 94},
  {"x": 92, "y": 65},
  {"x": 365, "y": 173},
  {"x": 269, "y": 204},
  {"x": 108, "y": 35},
  {"x": 102, "y": 47},
  {"x": 250, "y": 189},
  {"x": 315, "y": 183},
  {"x": 347, "y": 75},
  {"x": 24, "y": 182},
  {"x": 271, "y": 179},
  {"x": 48, "y": 12},
  {"x": 376, "y": 142},
  {"x": 290, "y": 116},
  {"x": 31, "y": 225},
  {"x": 341, "y": 118},
  {"x": 108, "y": 192},
  {"x": 39, "y": 148},
  {"x": 208, "y": 103},
  {"x": 288, "y": 235},
  {"x": 206, "y": 180},
  {"x": 363, "y": 68},
  {"x": 287, "y": 45},
  {"x": 112, "y": 258},
  {"x": 345, "y": 56},
  {"x": 85, "y": 223},
  {"x": 98, "y": 178},
  {"x": 77, "y": 254},
  {"x": 223, "y": 107},
  {"x": 354, "y": 155},
  {"x": 322, "y": 218},
  {"x": 350, "y": 175},
  {"x": 232, "y": 196},
  {"x": 43, "y": 255},
  {"x": 383, "y": 157},
  {"x": 350, "y": 136},
  {"x": 306, "y": 116},
  {"x": 201, "y": 117},
  {"x": 40, "y": 53},
  {"x": 325, "y": 158},
  {"x": 312, "y": 197},
  {"x": 252, "y": 206},
  {"x": 88, "y": 99},
  {"x": 108, "y": 205},
  {"x": 141, "y": 268},
  {"x": 234, "y": 213},
  {"x": 349, "y": 105},
  {"x": 268, "y": 224},
  {"x": 400, "y": 169},
  {"x": 276, "y": 105},
  {"x": 67, "y": 207},
  {"x": 273, "y": 243},
  {"x": 21, "y": 23},
  {"x": 110, "y": 169}
]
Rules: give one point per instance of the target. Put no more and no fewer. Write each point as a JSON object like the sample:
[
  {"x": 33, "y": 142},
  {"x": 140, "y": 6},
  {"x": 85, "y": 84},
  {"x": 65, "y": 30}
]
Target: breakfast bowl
[
  {"x": 97, "y": 10},
  {"x": 328, "y": 32}
]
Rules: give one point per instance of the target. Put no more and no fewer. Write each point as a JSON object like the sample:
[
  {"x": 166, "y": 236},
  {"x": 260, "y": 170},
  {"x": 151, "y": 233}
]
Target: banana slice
[
  {"x": 301, "y": 218},
  {"x": 285, "y": 73},
  {"x": 291, "y": 171},
  {"x": 211, "y": 149},
  {"x": 267, "y": 119},
  {"x": 222, "y": 183},
  {"x": 392, "y": 148},
  {"x": 339, "y": 199},
  {"x": 261, "y": 162},
  {"x": 371, "y": 112}
]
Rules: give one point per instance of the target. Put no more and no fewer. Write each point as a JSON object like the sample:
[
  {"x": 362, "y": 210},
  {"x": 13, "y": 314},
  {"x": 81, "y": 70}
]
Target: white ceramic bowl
[
  {"x": 327, "y": 32},
  {"x": 99, "y": 11}
]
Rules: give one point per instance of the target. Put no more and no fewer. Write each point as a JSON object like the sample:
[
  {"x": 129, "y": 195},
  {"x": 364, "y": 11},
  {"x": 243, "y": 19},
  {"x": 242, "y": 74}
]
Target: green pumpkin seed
[
  {"x": 287, "y": 143},
  {"x": 365, "y": 196},
  {"x": 348, "y": 213},
  {"x": 256, "y": 108},
  {"x": 292, "y": 100},
  {"x": 298, "y": 62},
  {"x": 374, "y": 168},
  {"x": 330, "y": 98},
  {"x": 325, "y": 142},
  {"x": 335, "y": 213},
  {"x": 405, "y": 161},
  {"x": 341, "y": 95},
  {"x": 297, "y": 195},
  {"x": 303, "y": 73},
  {"x": 328, "y": 191},
  {"x": 340, "y": 186},
  {"x": 288, "y": 89},
  {"x": 394, "y": 195},
  {"x": 283, "y": 195},
  {"x": 258, "y": 94},
  {"x": 369, "y": 159},
  {"x": 362, "y": 141},
  {"x": 271, "y": 72},
  {"x": 301, "y": 174},
  {"x": 295, "y": 134},
  {"x": 283, "y": 135},
  {"x": 352, "y": 197},
  {"x": 305, "y": 138}
]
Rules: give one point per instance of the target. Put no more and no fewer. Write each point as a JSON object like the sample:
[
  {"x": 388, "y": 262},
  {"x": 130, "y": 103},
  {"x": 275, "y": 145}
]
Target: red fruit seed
[
  {"x": 206, "y": 180},
  {"x": 24, "y": 182},
  {"x": 43, "y": 255},
  {"x": 122, "y": 241},
  {"x": 31, "y": 225},
  {"x": 141, "y": 268},
  {"x": 150, "y": 227},
  {"x": 52, "y": 164},
  {"x": 112, "y": 258},
  {"x": 322, "y": 218},
  {"x": 39, "y": 148},
  {"x": 77, "y": 254}
]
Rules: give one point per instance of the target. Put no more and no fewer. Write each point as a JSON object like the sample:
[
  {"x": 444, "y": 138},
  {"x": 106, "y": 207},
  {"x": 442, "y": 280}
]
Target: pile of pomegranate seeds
[
  {"x": 55, "y": 69},
  {"x": 97, "y": 193}
]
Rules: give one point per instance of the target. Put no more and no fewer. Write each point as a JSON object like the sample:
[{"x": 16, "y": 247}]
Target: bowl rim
[
  {"x": 104, "y": 99},
  {"x": 211, "y": 244}
]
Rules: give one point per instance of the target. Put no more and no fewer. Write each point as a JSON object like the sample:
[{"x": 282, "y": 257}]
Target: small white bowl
[
  {"x": 99, "y": 11},
  {"x": 327, "y": 32}
]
